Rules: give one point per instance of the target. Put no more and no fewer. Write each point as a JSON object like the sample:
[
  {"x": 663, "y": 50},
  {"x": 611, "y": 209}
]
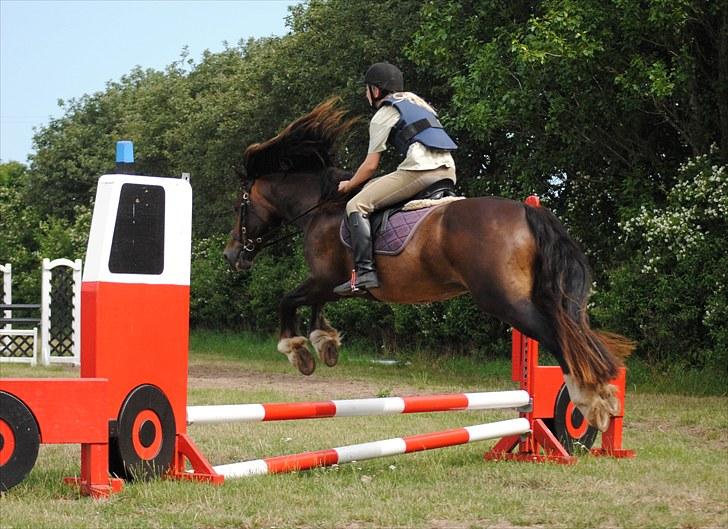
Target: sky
[{"x": 54, "y": 49}]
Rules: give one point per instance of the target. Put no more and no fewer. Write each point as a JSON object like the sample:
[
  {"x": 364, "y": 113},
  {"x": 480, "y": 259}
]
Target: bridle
[
  {"x": 241, "y": 231},
  {"x": 250, "y": 245}
]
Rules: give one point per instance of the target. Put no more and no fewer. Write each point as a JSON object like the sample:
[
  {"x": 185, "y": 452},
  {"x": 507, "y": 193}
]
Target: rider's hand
[{"x": 344, "y": 186}]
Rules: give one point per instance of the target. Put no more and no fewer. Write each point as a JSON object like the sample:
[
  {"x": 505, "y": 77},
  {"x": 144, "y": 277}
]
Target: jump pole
[
  {"x": 287, "y": 411},
  {"x": 375, "y": 449}
]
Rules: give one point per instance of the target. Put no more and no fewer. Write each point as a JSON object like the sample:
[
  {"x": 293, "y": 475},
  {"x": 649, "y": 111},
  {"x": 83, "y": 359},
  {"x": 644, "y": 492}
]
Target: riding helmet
[{"x": 386, "y": 76}]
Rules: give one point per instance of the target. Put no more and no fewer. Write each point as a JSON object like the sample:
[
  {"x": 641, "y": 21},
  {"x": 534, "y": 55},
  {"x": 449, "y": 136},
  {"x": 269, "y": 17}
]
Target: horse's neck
[
  {"x": 301, "y": 204},
  {"x": 302, "y": 197}
]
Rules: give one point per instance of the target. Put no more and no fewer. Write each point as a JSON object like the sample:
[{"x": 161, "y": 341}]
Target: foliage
[
  {"x": 673, "y": 294},
  {"x": 216, "y": 293},
  {"x": 593, "y": 105},
  {"x": 17, "y": 243},
  {"x": 361, "y": 320},
  {"x": 28, "y": 237},
  {"x": 280, "y": 272},
  {"x": 456, "y": 326}
]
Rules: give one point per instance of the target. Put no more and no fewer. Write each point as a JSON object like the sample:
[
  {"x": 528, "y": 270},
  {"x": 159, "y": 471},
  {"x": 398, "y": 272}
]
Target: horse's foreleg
[
  {"x": 290, "y": 343},
  {"x": 325, "y": 339}
]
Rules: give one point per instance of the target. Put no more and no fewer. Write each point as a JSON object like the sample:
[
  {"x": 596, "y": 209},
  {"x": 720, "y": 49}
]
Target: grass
[
  {"x": 678, "y": 480},
  {"x": 259, "y": 352}
]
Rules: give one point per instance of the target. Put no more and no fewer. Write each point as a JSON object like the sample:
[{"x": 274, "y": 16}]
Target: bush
[
  {"x": 27, "y": 237},
  {"x": 455, "y": 326},
  {"x": 672, "y": 295},
  {"x": 217, "y": 294}
]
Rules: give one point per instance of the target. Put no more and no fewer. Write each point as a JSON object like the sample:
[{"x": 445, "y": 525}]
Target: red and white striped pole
[
  {"x": 356, "y": 407},
  {"x": 372, "y": 450}
]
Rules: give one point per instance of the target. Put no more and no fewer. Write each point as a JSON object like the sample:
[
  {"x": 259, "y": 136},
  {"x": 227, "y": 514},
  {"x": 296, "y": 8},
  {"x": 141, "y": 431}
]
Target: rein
[{"x": 249, "y": 245}]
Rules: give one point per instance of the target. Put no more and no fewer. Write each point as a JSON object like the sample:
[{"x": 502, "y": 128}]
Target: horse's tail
[{"x": 562, "y": 282}]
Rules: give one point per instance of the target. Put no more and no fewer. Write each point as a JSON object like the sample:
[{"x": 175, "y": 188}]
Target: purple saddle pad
[{"x": 397, "y": 233}]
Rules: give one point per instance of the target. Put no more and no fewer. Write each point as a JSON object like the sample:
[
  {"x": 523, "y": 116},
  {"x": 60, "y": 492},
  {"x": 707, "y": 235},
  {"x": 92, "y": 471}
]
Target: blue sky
[{"x": 53, "y": 49}]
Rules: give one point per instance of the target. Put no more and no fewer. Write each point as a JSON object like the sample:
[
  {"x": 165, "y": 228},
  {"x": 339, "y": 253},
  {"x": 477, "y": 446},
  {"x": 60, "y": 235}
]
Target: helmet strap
[{"x": 375, "y": 100}]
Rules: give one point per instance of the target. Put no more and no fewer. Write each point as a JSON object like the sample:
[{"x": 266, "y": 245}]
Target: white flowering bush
[
  {"x": 672, "y": 295},
  {"x": 697, "y": 202}
]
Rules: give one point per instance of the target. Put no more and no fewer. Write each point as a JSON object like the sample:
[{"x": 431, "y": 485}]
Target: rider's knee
[{"x": 357, "y": 206}]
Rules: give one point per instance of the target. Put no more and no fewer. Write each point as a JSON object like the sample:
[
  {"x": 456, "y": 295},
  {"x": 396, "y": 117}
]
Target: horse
[{"x": 517, "y": 261}]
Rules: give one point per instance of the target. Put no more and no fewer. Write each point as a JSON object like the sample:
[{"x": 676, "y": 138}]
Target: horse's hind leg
[
  {"x": 529, "y": 320},
  {"x": 598, "y": 404},
  {"x": 325, "y": 339}
]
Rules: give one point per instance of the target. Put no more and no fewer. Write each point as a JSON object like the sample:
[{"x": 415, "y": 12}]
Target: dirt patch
[{"x": 227, "y": 376}]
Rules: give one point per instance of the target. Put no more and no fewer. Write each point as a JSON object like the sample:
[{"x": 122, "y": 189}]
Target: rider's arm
[{"x": 366, "y": 170}]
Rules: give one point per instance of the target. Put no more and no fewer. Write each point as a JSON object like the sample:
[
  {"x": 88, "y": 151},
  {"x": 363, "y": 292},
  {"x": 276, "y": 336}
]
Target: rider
[{"x": 405, "y": 121}]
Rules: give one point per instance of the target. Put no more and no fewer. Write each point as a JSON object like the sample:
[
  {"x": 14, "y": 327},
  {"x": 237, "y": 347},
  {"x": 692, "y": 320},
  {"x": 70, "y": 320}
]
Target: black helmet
[{"x": 386, "y": 76}]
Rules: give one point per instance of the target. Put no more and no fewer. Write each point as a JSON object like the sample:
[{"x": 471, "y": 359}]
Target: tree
[
  {"x": 75, "y": 149},
  {"x": 673, "y": 294},
  {"x": 17, "y": 240},
  {"x": 591, "y": 104}
]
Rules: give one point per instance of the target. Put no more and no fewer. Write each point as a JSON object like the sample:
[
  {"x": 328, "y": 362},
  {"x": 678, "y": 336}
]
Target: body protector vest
[{"x": 417, "y": 123}]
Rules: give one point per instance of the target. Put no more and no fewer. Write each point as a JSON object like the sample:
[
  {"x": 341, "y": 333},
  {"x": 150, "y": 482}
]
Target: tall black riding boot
[{"x": 364, "y": 276}]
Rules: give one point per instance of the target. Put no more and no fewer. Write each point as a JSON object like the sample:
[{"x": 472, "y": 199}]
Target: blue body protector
[{"x": 416, "y": 123}]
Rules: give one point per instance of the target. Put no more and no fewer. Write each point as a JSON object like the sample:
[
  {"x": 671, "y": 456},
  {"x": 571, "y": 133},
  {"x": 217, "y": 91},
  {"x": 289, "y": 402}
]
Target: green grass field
[{"x": 677, "y": 426}]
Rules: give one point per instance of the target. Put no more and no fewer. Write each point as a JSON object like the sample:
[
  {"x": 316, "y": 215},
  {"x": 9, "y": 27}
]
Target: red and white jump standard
[{"x": 128, "y": 408}]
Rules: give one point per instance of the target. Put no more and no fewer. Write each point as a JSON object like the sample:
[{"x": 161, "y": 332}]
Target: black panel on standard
[{"x": 138, "y": 244}]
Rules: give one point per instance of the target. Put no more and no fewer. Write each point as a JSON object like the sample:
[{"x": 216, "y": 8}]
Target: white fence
[
  {"x": 22, "y": 343},
  {"x": 7, "y": 271},
  {"x": 60, "y": 334}
]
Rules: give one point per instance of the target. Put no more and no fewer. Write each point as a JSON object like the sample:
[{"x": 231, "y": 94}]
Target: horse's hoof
[
  {"x": 304, "y": 361},
  {"x": 598, "y": 405},
  {"x": 298, "y": 354},
  {"x": 598, "y": 417},
  {"x": 327, "y": 345},
  {"x": 604, "y": 406},
  {"x": 330, "y": 354}
]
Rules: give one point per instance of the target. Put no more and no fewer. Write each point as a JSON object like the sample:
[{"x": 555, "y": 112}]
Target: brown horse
[{"x": 517, "y": 261}]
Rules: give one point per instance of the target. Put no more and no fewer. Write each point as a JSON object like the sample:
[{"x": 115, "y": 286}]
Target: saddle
[
  {"x": 393, "y": 227},
  {"x": 440, "y": 189}
]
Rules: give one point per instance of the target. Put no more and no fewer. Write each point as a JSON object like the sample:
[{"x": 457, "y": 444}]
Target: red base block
[
  {"x": 539, "y": 446},
  {"x": 612, "y": 441},
  {"x": 524, "y": 457},
  {"x": 96, "y": 490},
  {"x": 542, "y": 446},
  {"x": 201, "y": 468},
  {"x": 94, "y": 480}
]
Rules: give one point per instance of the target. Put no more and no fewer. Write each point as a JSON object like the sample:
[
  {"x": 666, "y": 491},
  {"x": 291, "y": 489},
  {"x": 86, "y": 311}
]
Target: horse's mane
[{"x": 308, "y": 143}]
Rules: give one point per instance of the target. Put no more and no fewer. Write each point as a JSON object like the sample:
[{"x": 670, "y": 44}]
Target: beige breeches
[{"x": 395, "y": 187}]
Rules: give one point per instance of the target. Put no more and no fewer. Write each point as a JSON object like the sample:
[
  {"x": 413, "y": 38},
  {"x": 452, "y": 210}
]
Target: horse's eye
[{"x": 236, "y": 209}]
